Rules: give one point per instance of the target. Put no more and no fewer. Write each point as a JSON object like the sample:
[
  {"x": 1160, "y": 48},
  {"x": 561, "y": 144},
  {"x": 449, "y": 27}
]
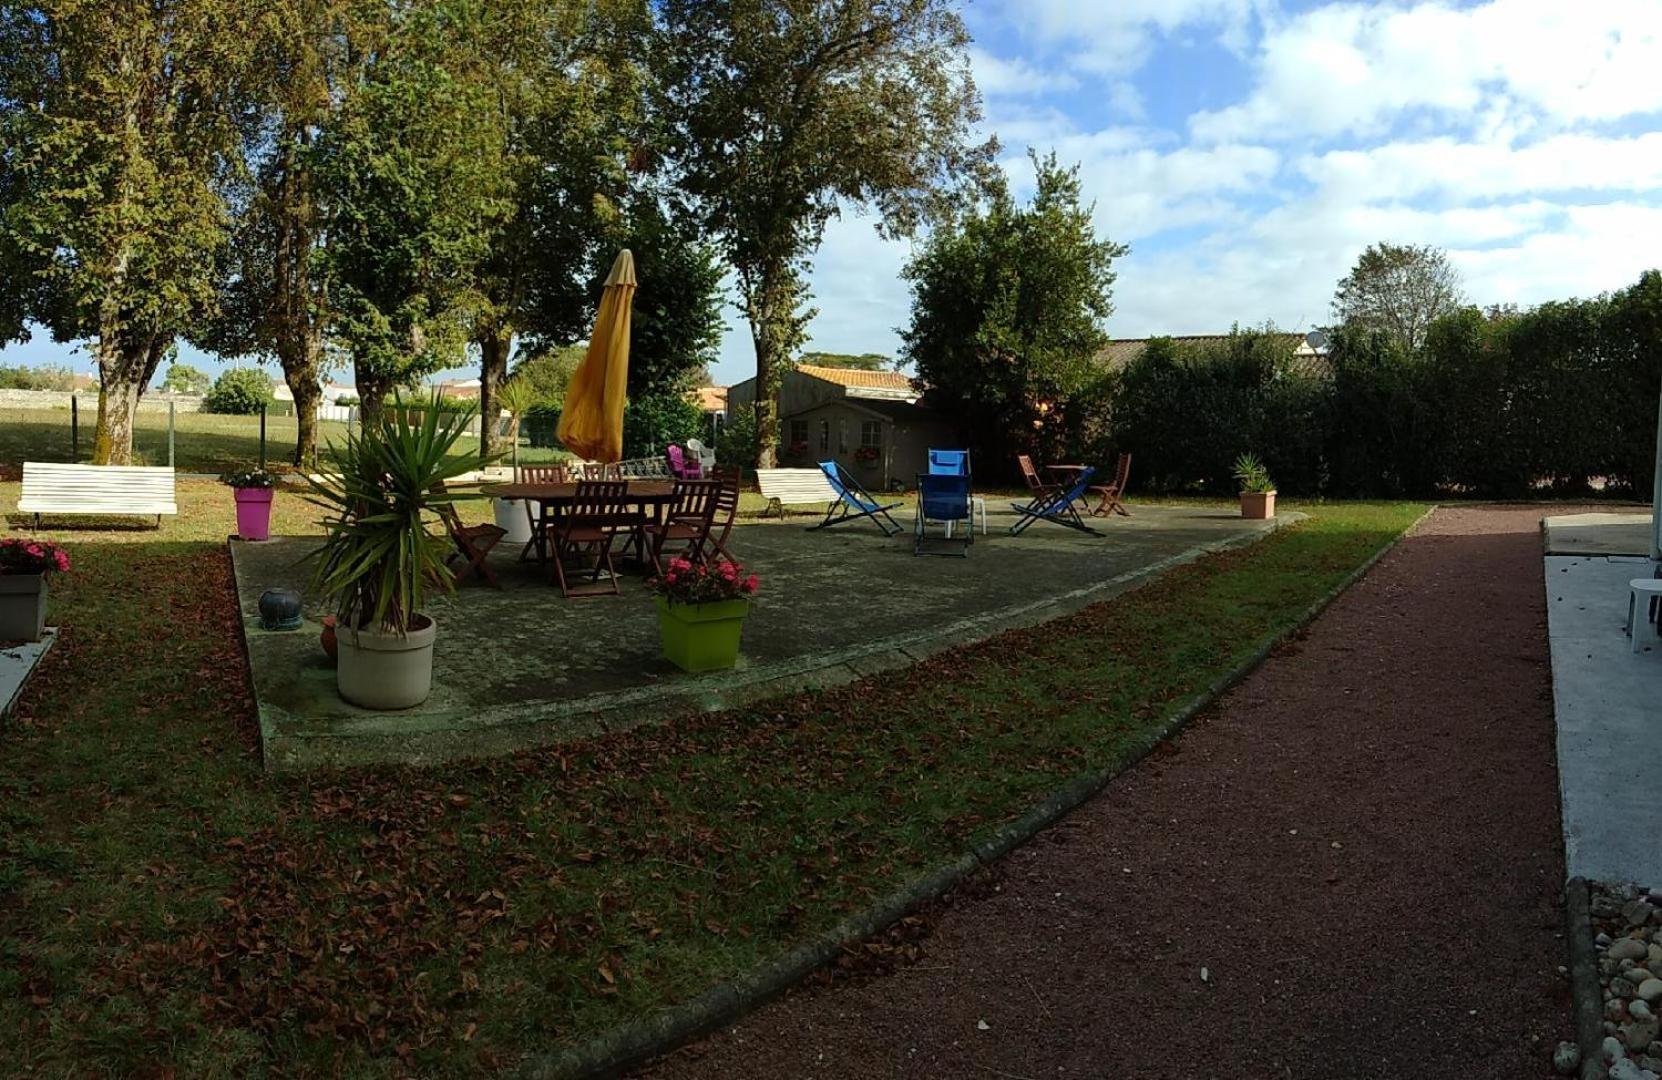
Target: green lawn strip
[{"x": 166, "y": 904}]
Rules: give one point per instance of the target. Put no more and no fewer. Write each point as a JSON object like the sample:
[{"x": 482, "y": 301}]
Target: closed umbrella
[{"x": 591, "y": 424}]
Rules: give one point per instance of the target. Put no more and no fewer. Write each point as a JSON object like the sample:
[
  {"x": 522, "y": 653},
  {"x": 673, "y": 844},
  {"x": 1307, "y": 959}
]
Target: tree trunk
[
  {"x": 495, "y": 346},
  {"x": 300, "y": 371},
  {"x": 125, "y": 368},
  {"x": 767, "y": 399},
  {"x": 773, "y": 293},
  {"x": 372, "y": 399}
]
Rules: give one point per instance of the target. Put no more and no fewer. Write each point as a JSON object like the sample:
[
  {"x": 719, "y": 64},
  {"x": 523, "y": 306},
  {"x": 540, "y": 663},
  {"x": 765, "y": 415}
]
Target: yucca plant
[
  {"x": 517, "y": 397},
  {"x": 379, "y": 556},
  {"x": 1252, "y": 476}
]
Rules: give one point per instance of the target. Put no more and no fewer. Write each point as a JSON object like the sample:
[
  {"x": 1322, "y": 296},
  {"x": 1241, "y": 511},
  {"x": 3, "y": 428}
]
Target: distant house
[
  {"x": 877, "y": 424},
  {"x": 459, "y": 390},
  {"x": 1309, "y": 350},
  {"x": 332, "y": 392},
  {"x": 711, "y": 400}
]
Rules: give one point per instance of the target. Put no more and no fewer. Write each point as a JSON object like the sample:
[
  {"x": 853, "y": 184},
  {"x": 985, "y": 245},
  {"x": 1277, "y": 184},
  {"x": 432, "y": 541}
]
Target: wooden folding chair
[
  {"x": 686, "y": 521},
  {"x": 1109, "y": 495},
  {"x": 538, "y": 474},
  {"x": 590, "y": 526},
  {"x": 1035, "y": 483},
  {"x": 542, "y": 474},
  {"x": 472, "y": 542},
  {"x": 721, "y": 519}
]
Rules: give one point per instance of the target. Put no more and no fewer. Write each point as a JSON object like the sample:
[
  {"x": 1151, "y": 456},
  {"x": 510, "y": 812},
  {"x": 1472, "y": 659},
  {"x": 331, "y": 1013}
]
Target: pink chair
[{"x": 680, "y": 467}]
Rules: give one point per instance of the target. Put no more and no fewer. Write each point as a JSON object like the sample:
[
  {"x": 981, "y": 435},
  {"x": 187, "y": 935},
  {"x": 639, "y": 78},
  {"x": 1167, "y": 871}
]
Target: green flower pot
[{"x": 702, "y": 637}]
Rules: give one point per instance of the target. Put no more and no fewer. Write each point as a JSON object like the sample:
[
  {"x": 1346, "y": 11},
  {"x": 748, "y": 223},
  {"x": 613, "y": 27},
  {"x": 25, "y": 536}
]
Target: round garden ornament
[{"x": 280, "y": 609}]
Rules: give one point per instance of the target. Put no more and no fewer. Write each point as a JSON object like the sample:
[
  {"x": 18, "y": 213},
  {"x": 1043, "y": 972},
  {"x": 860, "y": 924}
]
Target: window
[
  {"x": 824, "y": 436},
  {"x": 871, "y": 434},
  {"x": 799, "y": 433}
]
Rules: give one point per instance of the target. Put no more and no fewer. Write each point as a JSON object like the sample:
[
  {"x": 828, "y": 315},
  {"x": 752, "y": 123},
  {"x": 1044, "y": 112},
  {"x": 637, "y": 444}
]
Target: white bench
[
  {"x": 795, "y": 487},
  {"x": 52, "y": 488}
]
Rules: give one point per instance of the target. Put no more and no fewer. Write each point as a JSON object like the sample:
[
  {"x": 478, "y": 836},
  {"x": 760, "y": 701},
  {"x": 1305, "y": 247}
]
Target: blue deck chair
[
  {"x": 854, "y": 502},
  {"x": 949, "y": 463},
  {"x": 1056, "y": 506},
  {"x": 943, "y": 498}
]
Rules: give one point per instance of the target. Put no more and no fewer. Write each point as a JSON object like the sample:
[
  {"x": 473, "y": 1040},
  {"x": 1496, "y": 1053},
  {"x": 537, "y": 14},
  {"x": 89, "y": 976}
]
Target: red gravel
[{"x": 1360, "y": 845}]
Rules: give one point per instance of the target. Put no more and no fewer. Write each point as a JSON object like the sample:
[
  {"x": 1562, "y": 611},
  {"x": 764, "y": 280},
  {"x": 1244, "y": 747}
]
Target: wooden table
[{"x": 651, "y": 496}]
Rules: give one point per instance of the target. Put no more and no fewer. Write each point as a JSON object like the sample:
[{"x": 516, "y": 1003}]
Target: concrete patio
[{"x": 523, "y": 666}]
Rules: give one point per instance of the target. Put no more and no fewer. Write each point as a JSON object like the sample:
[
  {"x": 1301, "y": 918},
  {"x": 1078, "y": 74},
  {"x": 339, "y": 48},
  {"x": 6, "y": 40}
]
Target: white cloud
[
  {"x": 997, "y": 76},
  {"x": 1355, "y": 68},
  {"x": 1113, "y": 37}
]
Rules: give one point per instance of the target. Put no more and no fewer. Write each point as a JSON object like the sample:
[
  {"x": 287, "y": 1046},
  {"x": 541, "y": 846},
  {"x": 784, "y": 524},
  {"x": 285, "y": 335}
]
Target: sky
[{"x": 1248, "y": 150}]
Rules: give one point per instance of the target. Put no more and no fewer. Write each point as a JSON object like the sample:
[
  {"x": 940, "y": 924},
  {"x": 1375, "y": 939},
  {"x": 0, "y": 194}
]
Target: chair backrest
[
  {"x": 847, "y": 488},
  {"x": 542, "y": 474},
  {"x": 596, "y": 500},
  {"x": 1029, "y": 473},
  {"x": 706, "y": 456},
  {"x": 725, "y": 508},
  {"x": 1122, "y": 472},
  {"x": 731, "y": 475},
  {"x": 677, "y": 464},
  {"x": 944, "y": 496},
  {"x": 693, "y": 500},
  {"x": 1077, "y": 491},
  {"x": 948, "y": 462},
  {"x": 600, "y": 470}
]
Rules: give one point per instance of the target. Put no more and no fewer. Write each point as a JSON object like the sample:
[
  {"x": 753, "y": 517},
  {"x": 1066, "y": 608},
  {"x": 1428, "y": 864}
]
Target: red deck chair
[{"x": 1109, "y": 495}]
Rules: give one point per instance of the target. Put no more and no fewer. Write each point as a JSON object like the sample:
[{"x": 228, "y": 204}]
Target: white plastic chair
[{"x": 706, "y": 456}]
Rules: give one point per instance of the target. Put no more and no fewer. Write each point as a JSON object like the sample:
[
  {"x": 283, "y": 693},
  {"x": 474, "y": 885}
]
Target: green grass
[
  {"x": 202, "y": 442},
  {"x": 164, "y": 905}
]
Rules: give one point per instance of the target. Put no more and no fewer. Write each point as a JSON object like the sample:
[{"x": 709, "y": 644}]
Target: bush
[
  {"x": 736, "y": 445},
  {"x": 238, "y": 392},
  {"x": 652, "y": 422}
]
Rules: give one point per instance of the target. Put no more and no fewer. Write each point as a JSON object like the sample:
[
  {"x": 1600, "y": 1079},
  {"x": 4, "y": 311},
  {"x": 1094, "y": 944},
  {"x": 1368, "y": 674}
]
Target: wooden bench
[
  {"x": 52, "y": 488},
  {"x": 795, "y": 487}
]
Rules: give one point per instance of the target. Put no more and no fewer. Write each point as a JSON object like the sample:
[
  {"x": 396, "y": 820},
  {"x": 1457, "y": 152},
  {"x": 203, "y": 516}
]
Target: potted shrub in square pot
[
  {"x": 25, "y": 566},
  {"x": 253, "y": 489},
  {"x": 384, "y": 547},
  {"x": 1257, "y": 489},
  {"x": 701, "y": 613}
]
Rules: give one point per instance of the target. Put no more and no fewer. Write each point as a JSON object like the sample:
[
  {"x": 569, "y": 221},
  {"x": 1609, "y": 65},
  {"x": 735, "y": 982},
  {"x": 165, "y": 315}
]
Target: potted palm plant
[
  {"x": 517, "y": 396},
  {"x": 24, "y": 567},
  {"x": 1257, "y": 489},
  {"x": 380, "y": 553},
  {"x": 701, "y": 613},
  {"x": 253, "y": 489}
]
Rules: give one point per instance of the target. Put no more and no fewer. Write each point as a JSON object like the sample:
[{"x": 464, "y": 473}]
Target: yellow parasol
[{"x": 591, "y": 424}]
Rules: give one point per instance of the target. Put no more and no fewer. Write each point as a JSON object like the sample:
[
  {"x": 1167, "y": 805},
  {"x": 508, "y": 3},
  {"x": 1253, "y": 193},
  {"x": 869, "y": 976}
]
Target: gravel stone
[
  {"x": 1638, "y": 1035},
  {"x": 1629, "y": 949},
  {"x": 1650, "y": 990},
  {"x": 1612, "y": 1049},
  {"x": 1637, "y": 913},
  {"x": 1566, "y": 1059},
  {"x": 1639, "y": 1010}
]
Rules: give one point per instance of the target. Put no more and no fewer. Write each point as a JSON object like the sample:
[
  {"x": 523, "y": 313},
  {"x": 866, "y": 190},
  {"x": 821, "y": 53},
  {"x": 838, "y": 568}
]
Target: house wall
[
  {"x": 797, "y": 392},
  {"x": 905, "y": 443}
]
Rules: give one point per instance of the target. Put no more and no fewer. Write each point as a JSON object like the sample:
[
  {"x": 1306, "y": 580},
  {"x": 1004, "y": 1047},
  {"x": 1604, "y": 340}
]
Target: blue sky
[{"x": 1248, "y": 150}]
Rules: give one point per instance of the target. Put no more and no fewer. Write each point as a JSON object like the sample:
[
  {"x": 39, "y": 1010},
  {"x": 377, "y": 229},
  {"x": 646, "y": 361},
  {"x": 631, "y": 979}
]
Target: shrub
[
  {"x": 653, "y": 421},
  {"x": 238, "y": 392},
  {"x": 736, "y": 445}
]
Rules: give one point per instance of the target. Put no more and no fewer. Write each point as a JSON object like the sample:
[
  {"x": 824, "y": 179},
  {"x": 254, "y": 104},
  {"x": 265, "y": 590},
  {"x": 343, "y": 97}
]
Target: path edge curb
[
  {"x": 1586, "y": 995},
  {"x": 632, "y": 1044}
]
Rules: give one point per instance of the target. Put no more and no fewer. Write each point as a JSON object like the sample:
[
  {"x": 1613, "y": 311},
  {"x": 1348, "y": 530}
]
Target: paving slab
[
  {"x": 1608, "y": 702},
  {"x": 522, "y": 666},
  {"x": 1625, "y": 533},
  {"x": 17, "y": 663}
]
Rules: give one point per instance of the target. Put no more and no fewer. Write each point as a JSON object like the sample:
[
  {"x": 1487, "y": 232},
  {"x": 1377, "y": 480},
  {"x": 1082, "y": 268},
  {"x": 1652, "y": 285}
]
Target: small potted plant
[
  {"x": 1257, "y": 489},
  {"x": 381, "y": 554},
  {"x": 253, "y": 490},
  {"x": 867, "y": 455},
  {"x": 24, "y": 567},
  {"x": 701, "y": 612}
]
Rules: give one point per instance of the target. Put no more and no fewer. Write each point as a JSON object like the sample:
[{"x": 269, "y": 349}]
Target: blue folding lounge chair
[
  {"x": 854, "y": 502},
  {"x": 1056, "y": 506},
  {"x": 944, "y": 498},
  {"x": 949, "y": 463}
]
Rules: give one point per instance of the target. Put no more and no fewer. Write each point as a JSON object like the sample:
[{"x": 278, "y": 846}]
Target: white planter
[
  {"x": 22, "y": 606},
  {"x": 386, "y": 671},
  {"x": 511, "y": 515}
]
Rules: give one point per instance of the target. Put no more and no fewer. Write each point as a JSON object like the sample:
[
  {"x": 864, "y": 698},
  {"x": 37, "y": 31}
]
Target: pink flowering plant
[
  {"x": 19, "y": 556},
  {"x": 687, "y": 582}
]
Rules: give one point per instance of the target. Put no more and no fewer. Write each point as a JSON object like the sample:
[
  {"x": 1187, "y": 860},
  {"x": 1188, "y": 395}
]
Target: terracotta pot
[
  {"x": 1257, "y": 505},
  {"x": 327, "y": 638}
]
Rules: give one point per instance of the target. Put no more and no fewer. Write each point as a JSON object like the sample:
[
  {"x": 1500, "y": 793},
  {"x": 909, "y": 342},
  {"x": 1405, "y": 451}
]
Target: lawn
[
  {"x": 203, "y": 443},
  {"x": 164, "y": 905}
]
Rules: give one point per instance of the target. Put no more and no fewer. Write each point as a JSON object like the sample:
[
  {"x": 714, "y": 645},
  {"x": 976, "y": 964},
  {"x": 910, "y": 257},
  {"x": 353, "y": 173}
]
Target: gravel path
[{"x": 1350, "y": 867}]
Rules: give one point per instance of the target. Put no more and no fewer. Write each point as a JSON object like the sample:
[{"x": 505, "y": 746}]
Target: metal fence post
[
  {"x": 74, "y": 429},
  {"x": 262, "y": 438},
  {"x": 170, "y": 406}
]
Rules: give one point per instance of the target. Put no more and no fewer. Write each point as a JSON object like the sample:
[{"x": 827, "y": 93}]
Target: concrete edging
[
  {"x": 1586, "y": 994},
  {"x": 636, "y": 1042}
]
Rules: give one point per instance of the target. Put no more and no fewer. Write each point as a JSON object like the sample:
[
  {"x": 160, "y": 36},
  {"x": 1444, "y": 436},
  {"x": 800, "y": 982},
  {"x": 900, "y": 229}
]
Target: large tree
[
  {"x": 408, "y": 197},
  {"x": 1398, "y": 290},
  {"x": 118, "y": 129},
  {"x": 782, "y": 112},
  {"x": 1009, "y": 304}
]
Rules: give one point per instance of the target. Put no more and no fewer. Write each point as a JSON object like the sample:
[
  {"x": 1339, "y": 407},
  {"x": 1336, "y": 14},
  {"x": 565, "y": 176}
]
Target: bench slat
[
  {"x": 55, "y": 488},
  {"x": 795, "y": 486}
]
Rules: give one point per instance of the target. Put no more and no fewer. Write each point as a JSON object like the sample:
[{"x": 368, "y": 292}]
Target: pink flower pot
[{"x": 254, "y": 513}]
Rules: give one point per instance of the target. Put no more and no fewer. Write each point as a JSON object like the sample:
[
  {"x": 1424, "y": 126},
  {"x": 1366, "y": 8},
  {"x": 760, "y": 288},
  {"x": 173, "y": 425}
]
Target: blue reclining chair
[
  {"x": 1056, "y": 506},
  {"x": 949, "y": 463},
  {"x": 945, "y": 498},
  {"x": 854, "y": 502}
]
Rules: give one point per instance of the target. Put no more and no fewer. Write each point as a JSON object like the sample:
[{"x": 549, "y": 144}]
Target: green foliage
[
  {"x": 379, "y": 555},
  {"x": 851, "y": 361},
  {"x": 782, "y": 113},
  {"x": 547, "y": 375},
  {"x": 736, "y": 444},
  {"x": 242, "y": 391},
  {"x": 1398, "y": 290},
  {"x": 652, "y": 422},
  {"x": 676, "y": 324},
  {"x": 1252, "y": 476},
  {"x": 1008, "y": 306},
  {"x": 45, "y": 377},
  {"x": 184, "y": 379}
]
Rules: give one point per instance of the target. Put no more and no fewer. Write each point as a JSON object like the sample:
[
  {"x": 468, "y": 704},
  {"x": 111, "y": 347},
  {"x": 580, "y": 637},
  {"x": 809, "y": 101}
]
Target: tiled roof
[
  {"x": 855, "y": 377},
  {"x": 711, "y": 398}
]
